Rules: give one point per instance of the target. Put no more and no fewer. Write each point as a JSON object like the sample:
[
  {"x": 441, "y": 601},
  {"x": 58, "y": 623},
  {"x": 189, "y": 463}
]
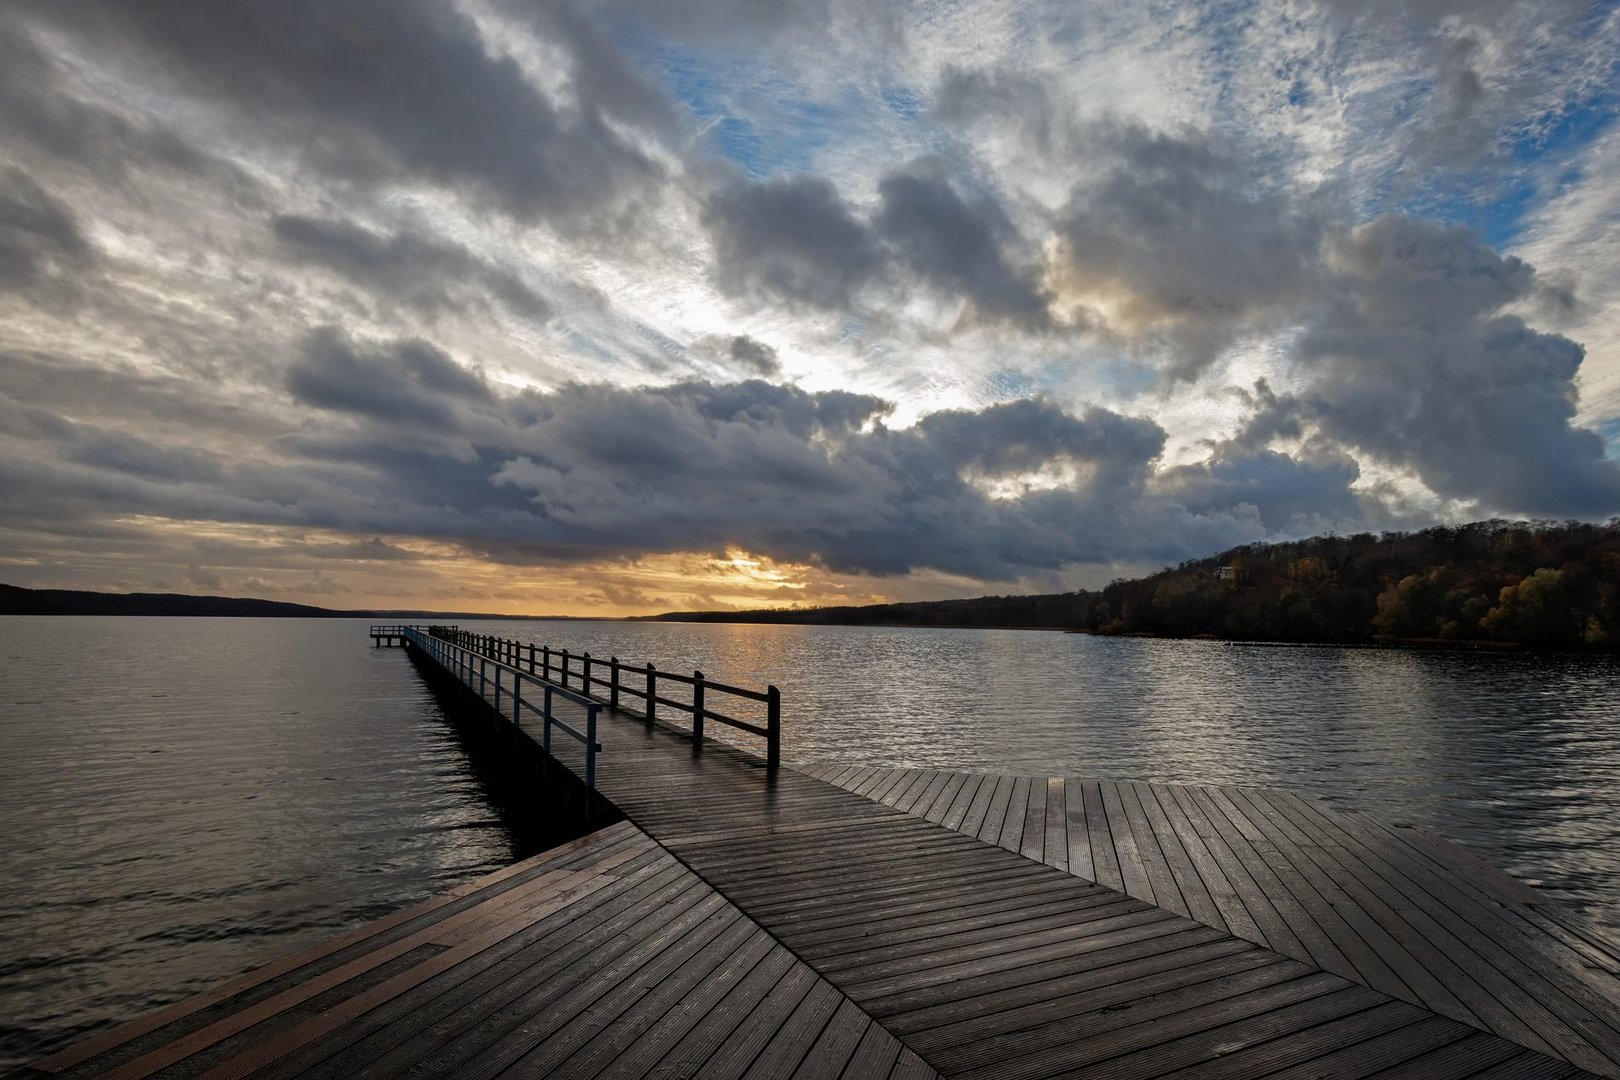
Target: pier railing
[
  {"x": 611, "y": 681},
  {"x": 390, "y": 633},
  {"x": 515, "y": 690}
]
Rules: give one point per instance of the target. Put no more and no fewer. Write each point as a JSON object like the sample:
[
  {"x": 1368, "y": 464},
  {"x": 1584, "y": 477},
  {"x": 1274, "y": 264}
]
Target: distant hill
[
  {"x": 1541, "y": 584},
  {"x": 1056, "y": 611},
  {"x": 15, "y": 600}
]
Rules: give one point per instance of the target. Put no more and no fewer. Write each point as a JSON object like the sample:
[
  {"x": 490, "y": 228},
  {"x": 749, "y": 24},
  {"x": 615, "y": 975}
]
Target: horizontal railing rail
[
  {"x": 590, "y": 674},
  {"x": 480, "y": 672},
  {"x": 400, "y": 628}
]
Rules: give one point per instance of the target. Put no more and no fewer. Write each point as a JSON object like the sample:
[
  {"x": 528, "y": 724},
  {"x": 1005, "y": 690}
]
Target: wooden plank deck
[
  {"x": 988, "y": 961},
  {"x": 872, "y": 922},
  {"x": 605, "y": 957},
  {"x": 1395, "y": 909}
]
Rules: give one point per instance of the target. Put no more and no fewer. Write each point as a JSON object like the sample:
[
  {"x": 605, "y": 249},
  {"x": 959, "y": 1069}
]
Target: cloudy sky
[{"x": 631, "y": 305}]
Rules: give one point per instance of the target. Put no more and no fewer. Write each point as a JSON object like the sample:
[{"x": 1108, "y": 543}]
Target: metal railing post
[
  {"x": 773, "y": 724},
  {"x": 497, "y": 689},
  {"x": 585, "y": 686},
  {"x": 613, "y": 683},
  {"x": 546, "y": 671},
  {"x": 517, "y": 700},
  {"x": 531, "y": 658},
  {"x": 545, "y": 737},
  {"x": 564, "y": 679},
  {"x": 652, "y": 692},
  {"x": 590, "y": 745},
  {"x": 697, "y": 707},
  {"x": 483, "y": 675}
]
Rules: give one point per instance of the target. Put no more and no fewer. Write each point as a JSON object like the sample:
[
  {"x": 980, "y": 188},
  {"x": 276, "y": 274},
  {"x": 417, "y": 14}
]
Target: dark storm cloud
[
  {"x": 803, "y": 477},
  {"x": 407, "y": 267},
  {"x": 1415, "y": 361},
  {"x": 40, "y": 112},
  {"x": 956, "y": 244},
  {"x": 1023, "y": 436},
  {"x": 793, "y": 239},
  {"x": 1191, "y": 240},
  {"x": 407, "y": 442},
  {"x": 1292, "y": 495},
  {"x": 754, "y": 357},
  {"x": 1007, "y": 99},
  {"x": 41, "y": 243},
  {"x": 403, "y": 382},
  {"x": 796, "y": 239},
  {"x": 376, "y": 89},
  {"x": 604, "y": 79}
]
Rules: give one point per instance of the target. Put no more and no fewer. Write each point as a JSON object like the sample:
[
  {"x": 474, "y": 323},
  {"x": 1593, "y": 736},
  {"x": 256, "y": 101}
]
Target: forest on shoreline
[{"x": 1539, "y": 584}]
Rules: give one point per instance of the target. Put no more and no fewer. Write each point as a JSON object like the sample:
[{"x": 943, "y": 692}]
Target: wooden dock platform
[
  {"x": 842, "y": 921},
  {"x": 603, "y": 957}
]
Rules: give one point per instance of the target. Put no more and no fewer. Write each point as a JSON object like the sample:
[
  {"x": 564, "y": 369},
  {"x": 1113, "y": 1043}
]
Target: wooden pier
[{"x": 841, "y": 921}]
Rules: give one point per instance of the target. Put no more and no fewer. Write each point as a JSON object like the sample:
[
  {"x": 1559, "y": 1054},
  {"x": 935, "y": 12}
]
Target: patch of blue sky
[
  {"x": 1535, "y": 163},
  {"x": 751, "y": 114},
  {"x": 904, "y": 102},
  {"x": 1010, "y": 384},
  {"x": 1544, "y": 162},
  {"x": 659, "y": 339},
  {"x": 580, "y": 342}
]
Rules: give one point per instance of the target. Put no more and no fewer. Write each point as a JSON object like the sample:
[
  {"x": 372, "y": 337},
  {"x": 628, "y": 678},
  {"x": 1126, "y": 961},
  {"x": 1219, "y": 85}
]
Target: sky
[{"x": 638, "y": 305}]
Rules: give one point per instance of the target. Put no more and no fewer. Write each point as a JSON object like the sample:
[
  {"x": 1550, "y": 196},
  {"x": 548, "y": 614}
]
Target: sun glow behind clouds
[{"x": 335, "y": 570}]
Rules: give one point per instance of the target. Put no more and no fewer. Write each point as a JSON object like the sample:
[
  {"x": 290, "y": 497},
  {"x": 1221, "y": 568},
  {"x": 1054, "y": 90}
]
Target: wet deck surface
[
  {"x": 602, "y": 958},
  {"x": 1395, "y": 909},
  {"x": 923, "y": 922}
]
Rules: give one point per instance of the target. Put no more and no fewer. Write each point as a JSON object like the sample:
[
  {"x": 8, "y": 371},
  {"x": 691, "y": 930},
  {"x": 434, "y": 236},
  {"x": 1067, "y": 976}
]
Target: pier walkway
[{"x": 846, "y": 921}]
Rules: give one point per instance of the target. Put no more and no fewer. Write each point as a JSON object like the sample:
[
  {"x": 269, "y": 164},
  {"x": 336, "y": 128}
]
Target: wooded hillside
[{"x": 1544, "y": 584}]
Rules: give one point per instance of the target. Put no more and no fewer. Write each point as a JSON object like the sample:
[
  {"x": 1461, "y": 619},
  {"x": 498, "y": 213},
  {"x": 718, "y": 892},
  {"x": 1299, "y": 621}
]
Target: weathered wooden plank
[
  {"x": 1012, "y": 823},
  {"x": 1249, "y": 913},
  {"x": 1132, "y": 866},
  {"x": 1078, "y": 833},
  {"x": 1056, "y": 851},
  {"x": 1195, "y": 885},
  {"x": 941, "y": 803},
  {"x": 711, "y": 1029},
  {"x": 956, "y": 815},
  {"x": 1287, "y": 923},
  {"x": 1148, "y": 944},
  {"x": 1165, "y": 889},
  {"x": 973, "y": 821},
  {"x": 996, "y": 812},
  {"x": 1103, "y": 855},
  {"x": 969, "y": 1021}
]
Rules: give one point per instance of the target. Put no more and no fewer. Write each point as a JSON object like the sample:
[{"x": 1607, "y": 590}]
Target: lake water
[{"x": 185, "y": 799}]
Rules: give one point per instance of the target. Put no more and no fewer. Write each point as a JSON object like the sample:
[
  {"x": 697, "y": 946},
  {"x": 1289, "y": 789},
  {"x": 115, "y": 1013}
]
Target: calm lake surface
[{"x": 185, "y": 799}]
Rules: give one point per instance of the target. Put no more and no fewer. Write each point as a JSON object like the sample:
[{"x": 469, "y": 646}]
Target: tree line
[{"x": 1543, "y": 584}]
